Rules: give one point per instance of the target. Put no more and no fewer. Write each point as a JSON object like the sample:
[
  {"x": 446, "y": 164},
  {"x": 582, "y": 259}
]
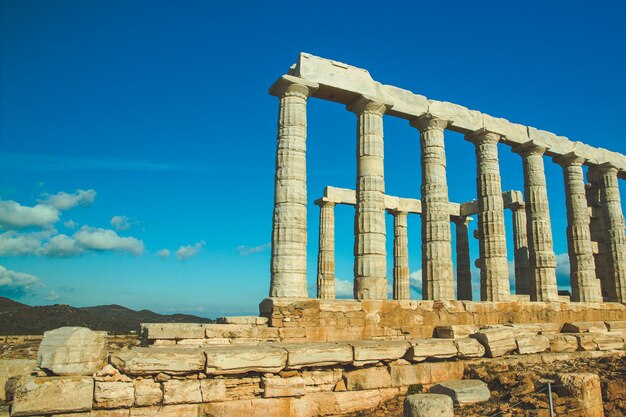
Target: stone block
[
  {"x": 182, "y": 391},
  {"x": 317, "y": 354},
  {"x": 72, "y": 351},
  {"x": 466, "y": 391},
  {"x": 274, "y": 387},
  {"x": 147, "y": 392},
  {"x": 497, "y": 341},
  {"x": 213, "y": 390},
  {"x": 114, "y": 394},
  {"x": 532, "y": 344},
  {"x": 266, "y": 407},
  {"x": 425, "y": 373},
  {"x": 563, "y": 343},
  {"x": 469, "y": 348},
  {"x": 615, "y": 325},
  {"x": 368, "y": 378},
  {"x": 428, "y": 405},
  {"x": 585, "y": 387},
  {"x": 154, "y": 360},
  {"x": 241, "y": 359},
  {"x": 100, "y": 413},
  {"x": 520, "y": 329},
  {"x": 172, "y": 330},
  {"x": 599, "y": 341},
  {"x": 253, "y": 320},
  {"x": 378, "y": 350},
  {"x": 422, "y": 349},
  {"x": 584, "y": 327},
  {"x": 179, "y": 410},
  {"x": 13, "y": 370},
  {"x": 513, "y": 132},
  {"x": 455, "y": 332},
  {"x": 53, "y": 395},
  {"x": 462, "y": 119}
]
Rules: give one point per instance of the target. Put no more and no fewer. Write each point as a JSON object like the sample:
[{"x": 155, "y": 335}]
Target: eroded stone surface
[
  {"x": 317, "y": 354},
  {"x": 497, "y": 341},
  {"x": 532, "y": 344},
  {"x": 72, "y": 351},
  {"x": 242, "y": 359},
  {"x": 114, "y": 394},
  {"x": 154, "y": 360},
  {"x": 147, "y": 392},
  {"x": 368, "y": 378},
  {"x": 584, "y": 327},
  {"x": 428, "y": 405},
  {"x": 421, "y": 349},
  {"x": 464, "y": 391},
  {"x": 53, "y": 395}
]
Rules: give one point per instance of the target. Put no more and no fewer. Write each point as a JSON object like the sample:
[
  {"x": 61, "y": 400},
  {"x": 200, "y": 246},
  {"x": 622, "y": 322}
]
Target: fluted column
[
  {"x": 585, "y": 286},
  {"x": 463, "y": 270},
  {"x": 326, "y": 251},
  {"x": 370, "y": 265},
  {"x": 494, "y": 274},
  {"x": 614, "y": 233},
  {"x": 596, "y": 227},
  {"x": 437, "y": 272},
  {"x": 401, "y": 274},
  {"x": 289, "y": 236},
  {"x": 540, "y": 248},
  {"x": 520, "y": 248}
]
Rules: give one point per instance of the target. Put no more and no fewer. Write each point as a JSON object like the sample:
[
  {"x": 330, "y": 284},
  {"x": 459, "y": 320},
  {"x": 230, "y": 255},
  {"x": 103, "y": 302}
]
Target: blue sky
[{"x": 133, "y": 130}]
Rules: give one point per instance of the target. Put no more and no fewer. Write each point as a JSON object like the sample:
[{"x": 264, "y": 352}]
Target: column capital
[
  {"x": 365, "y": 104},
  {"x": 608, "y": 168},
  {"x": 396, "y": 212},
  {"x": 288, "y": 85},
  {"x": 322, "y": 202},
  {"x": 480, "y": 136},
  {"x": 529, "y": 148},
  {"x": 569, "y": 159},
  {"x": 461, "y": 220},
  {"x": 429, "y": 122}
]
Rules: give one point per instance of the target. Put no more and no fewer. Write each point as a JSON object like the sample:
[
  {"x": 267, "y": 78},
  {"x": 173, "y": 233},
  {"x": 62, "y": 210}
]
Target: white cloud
[
  {"x": 92, "y": 238},
  {"x": 14, "y": 216},
  {"x": 188, "y": 251},
  {"x": 17, "y": 283},
  {"x": 416, "y": 280},
  {"x": 53, "y": 296},
  {"x": 562, "y": 264},
  {"x": 344, "y": 288},
  {"x": 61, "y": 246},
  {"x": 70, "y": 224},
  {"x": 65, "y": 201},
  {"x": 120, "y": 223},
  {"x": 249, "y": 250},
  {"x": 163, "y": 253},
  {"x": 14, "y": 244}
]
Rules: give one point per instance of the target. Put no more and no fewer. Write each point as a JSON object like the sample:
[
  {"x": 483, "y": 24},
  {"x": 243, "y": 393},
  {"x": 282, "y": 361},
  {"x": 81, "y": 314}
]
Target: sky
[{"x": 137, "y": 139}]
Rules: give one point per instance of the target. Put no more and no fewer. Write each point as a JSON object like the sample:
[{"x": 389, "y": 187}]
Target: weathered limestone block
[
  {"x": 615, "y": 325},
  {"x": 421, "y": 349},
  {"x": 114, "y": 394},
  {"x": 497, "y": 341},
  {"x": 178, "y": 410},
  {"x": 254, "y": 320},
  {"x": 317, "y": 379},
  {"x": 317, "y": 354},
  {"x": 455, "y": 331},
  {"x": 72, "y": 351},
  {"x": 585, "y": 387},
  {"x": 147, "y": 392},
  {"x": 599, "y": 341},
  {"x": 283, "y": 387},
  {"x": 428, "y": 405},
  {"x": 584, "y": 327},
  {"x": 181, "y": 391},
  {"x": 425, "y": 373},
  {"x": 172, "y": 330},
  {"x": 466, "y": 391},
  {"x": 368, "y": 378},
  {"x": 53, "y": 395},
  {"x": 241, "y": 359},
  {"x": 213, "y": 390},
  {"x": 367, "y": 351},
  {"x": 125, "y": 412},
  {"x": 532, "y": 344},
  {"x": 266, "y": 407},
  {"x": 563, "y": 343},
  {"x": 154, "y": 360},
  {"x": 520, "y": 329},
  {"x": 13, "y": 370},
  {"x": 469, "y": 348},
  {"x": 110, "y": 374}
]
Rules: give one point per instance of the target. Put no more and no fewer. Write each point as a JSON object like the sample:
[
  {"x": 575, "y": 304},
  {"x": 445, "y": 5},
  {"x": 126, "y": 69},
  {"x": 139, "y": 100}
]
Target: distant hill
[{"x": 17, "y": 318}]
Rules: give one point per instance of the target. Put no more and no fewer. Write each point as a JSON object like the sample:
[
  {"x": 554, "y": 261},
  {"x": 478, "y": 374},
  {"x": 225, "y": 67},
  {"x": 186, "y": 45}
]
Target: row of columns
[{"x": 288, "y": 265}]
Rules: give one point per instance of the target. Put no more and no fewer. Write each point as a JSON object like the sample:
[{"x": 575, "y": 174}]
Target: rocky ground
[{"x": 520, "y": 390}]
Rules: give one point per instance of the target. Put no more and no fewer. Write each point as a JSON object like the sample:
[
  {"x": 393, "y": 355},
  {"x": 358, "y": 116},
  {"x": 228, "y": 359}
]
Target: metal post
[{"x": 550, "y": 399}]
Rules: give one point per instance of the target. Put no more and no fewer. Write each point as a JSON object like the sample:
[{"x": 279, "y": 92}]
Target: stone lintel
[
  {"x": 281, "y": 84},
  {"x": 367, "y": 103}
]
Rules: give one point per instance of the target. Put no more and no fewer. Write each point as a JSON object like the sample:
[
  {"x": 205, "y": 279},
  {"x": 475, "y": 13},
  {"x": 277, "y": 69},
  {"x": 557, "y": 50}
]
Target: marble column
[
  {"x": 585, "y": 286},
  {"x": 326, "y": 251},
  {"x": 463, "y": 270},
  {"x": 437, "y": 272},
  {"x": 289, "y": 235},
  {"x": 540, "y": 248},
  {"x": 520, "y": 248},
  {"x": 597, "y": 229},
  {"x": 494, "y": 274},
  {"x": 401, "y": 273},
  {"x": 370, "y": 265},
  {"x": 614, "y": 233}
]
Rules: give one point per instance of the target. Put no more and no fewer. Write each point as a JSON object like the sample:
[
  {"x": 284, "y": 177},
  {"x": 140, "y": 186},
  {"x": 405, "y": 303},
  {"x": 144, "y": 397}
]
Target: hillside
[{"x": 17, "y": 318}]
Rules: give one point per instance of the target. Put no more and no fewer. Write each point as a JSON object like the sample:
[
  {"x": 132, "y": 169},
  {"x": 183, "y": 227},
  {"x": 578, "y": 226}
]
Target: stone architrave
[
  {"x": 289, "y": 235},
  {"x": 540, "y": 250},
  {"x": 463, "y": 269},
  {"x": 494, "y": 271},
  {"x": 401, "y": 273},
  {"x": 585, "y": 286},
  {"x": 326, "y": 251},
  {"x": 370, "y": 264},
  {"x": 520, "y": 249},
  {"x": 437, "y": 270},
  {"x": 614, "y": 233}
]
